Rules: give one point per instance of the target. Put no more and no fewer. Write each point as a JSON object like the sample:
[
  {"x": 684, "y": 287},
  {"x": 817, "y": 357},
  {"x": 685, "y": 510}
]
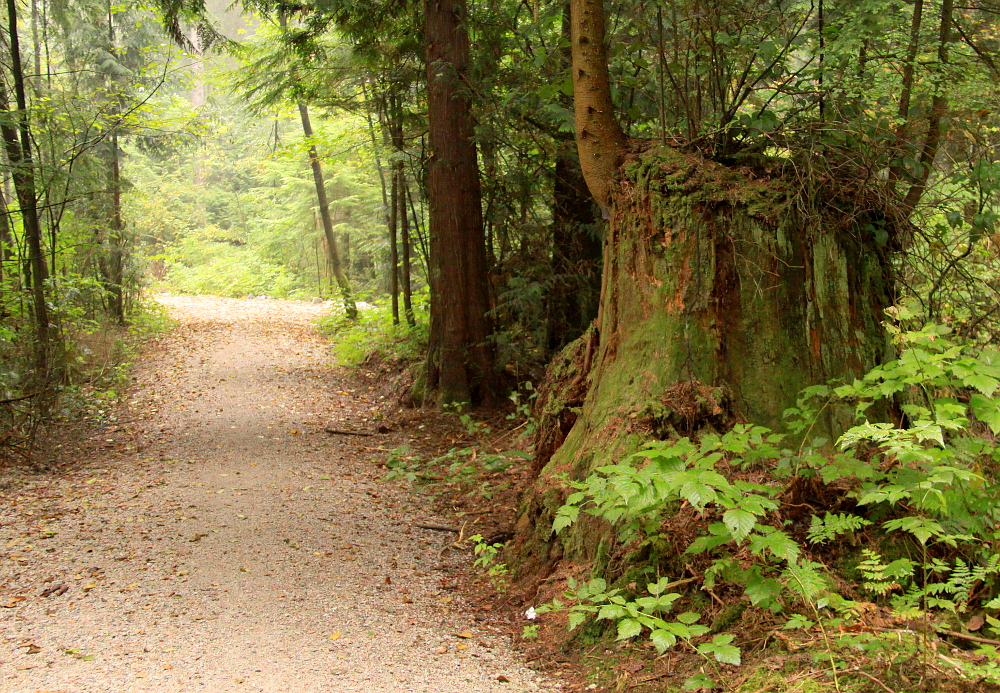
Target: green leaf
[
  {"x": 986, "y": 410},
  {"x": 689, "y": 617},
  {"x": 798, "y": 621},
  {"x": 612, "y": 612},
  {"x": 662, "y": 639},
  {"x": 565, "y": 516},
  {"x": 983, "y": 383},
  {"x": 739, "y": 522},
  {"x": 576, "y": 618},
  {"x": 629, "y": 628},
  {"x": 699, "y": 682}
]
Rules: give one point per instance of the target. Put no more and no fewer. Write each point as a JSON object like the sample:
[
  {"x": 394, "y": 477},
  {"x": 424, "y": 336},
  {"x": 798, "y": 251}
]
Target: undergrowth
[
  {"x": 893, "y": 530},
  {"x": 373, "y": 333}
]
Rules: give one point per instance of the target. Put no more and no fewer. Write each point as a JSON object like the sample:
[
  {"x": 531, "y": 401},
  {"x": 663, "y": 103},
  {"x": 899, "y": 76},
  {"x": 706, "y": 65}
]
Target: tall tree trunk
[
  {"x": 935, "y": 120},
  {"x": 399, "y": 176},
  {"x": 576, "y": 241},
  {"x": 404, "y": 233},
  {"x": 460, "y": 357},
  {"x": 6, "y": 243},
  {"x": 17, "y": 139},
  {"x": 393, "y": 247},
  {"x": 599, "y": 136},
  {"x": 350, "y": 307},
  {"x": 576, "y": 252},
  {"x": 114, "y": 247}
]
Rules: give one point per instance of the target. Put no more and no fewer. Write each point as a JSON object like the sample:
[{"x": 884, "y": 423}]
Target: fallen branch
[
  {"x": 338, "y": 432},
  {"x": 973, "y": 638},
  {"x": 437, "y": 528}
]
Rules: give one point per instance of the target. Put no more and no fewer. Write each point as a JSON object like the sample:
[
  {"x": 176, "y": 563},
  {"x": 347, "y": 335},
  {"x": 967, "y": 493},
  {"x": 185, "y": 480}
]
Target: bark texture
[
  {"x": 599, "y": 137},
  {"x": 459, "y": 362},
  {"x": 722, "y": 299}
]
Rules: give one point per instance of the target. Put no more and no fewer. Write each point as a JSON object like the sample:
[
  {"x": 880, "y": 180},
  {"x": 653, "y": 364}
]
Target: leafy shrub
[
  {"x": 374, "y": 332},
  {"x": 928, "y": 482}
]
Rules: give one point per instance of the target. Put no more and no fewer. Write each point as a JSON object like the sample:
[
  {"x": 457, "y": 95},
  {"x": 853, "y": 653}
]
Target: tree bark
[
  {"x": 113, "y": 247},
  {"x": 16, "y": 133},
  {"x": 599, "y": 136},
  {"x": 576, "y": 241},
  {"x": 404, "y": 229},
  {"x": 394, "y": 247},
  {"x": 721, "y": 301},
  {"x": 935, "y": 120},
  {"x": 350, "y": 307},
  {"x": 460, "y": 359}
]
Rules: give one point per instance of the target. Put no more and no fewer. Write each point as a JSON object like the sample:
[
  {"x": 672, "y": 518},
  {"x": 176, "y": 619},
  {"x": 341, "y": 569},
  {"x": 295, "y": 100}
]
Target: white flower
[{"x": 530, "y": 614}]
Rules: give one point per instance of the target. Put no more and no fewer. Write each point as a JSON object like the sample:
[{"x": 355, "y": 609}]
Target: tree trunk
[
  {"x": 399, "y": 169},
  {"x": 721, "y": 301},
  {"x": 459, "y": 361},
  {"x": 404, "y": 229},
  {"x": 324, "y": 213},
  {"x": 113, "y": 249},
  {"x": 394, "y": 247},
  {"x": 599, "y": 137},
  {"x": 722, "y": 297},
  {"x": 17, "y": 140},
  {"x": 576, "y": 253},
  {"x": 576, "y": 241},
  {"x": 114, "y": 275}
]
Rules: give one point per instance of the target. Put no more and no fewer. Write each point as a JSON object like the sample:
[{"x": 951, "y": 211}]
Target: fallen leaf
[
  {"x": 335, "y": 636},
  {"x": 463, "y": 634},
  {"x": 975, "y": 623},
  {"x": 441, "y": 650},
  {"x": 141, "y": 675}
]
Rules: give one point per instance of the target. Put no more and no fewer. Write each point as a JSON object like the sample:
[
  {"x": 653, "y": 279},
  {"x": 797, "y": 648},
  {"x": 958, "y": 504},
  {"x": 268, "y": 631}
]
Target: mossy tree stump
[{"x": 724, "y": 294}]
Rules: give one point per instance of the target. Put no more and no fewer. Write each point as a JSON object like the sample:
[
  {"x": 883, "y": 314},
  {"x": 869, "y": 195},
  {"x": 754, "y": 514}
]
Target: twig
[
  {"x": 338, "y": 432},
  {"x": 869, "y": 676},
  {"x": 19, "y": 399},
  {"x": 973, "y": 638},
  {"x": 439, "y": 528},
  {"x": 649, "y": 678}
]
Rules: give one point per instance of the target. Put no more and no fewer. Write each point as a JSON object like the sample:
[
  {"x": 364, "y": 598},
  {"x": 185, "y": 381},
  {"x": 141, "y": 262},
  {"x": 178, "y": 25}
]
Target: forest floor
[{"x": 213, "y": 535}]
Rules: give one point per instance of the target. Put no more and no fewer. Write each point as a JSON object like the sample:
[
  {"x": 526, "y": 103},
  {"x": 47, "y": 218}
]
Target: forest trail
[{"x": 216, "y": 538}]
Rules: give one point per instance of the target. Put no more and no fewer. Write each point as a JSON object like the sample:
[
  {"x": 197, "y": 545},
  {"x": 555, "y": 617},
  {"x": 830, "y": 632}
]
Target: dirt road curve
[{"x": 217, "y": 539}]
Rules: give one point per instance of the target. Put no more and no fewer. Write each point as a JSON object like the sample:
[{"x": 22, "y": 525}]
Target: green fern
[{"x": 832, "y": 525}]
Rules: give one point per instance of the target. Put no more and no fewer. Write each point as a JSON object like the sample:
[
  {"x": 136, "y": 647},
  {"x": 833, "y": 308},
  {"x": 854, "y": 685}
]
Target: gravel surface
[{"x": 218, "y": 539}]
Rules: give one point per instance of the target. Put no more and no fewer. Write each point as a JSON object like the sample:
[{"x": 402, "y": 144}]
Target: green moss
[{"x": 728, "y": 616}]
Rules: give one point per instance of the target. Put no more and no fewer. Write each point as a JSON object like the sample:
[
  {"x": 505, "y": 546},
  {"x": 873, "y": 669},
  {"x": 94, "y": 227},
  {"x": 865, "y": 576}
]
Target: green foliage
[
  {"x": 486, "y": 559},
  {"x": 374, "y": 333},
  {"x": 402, "y": 465},
  {"x": 922, "y": 485}
]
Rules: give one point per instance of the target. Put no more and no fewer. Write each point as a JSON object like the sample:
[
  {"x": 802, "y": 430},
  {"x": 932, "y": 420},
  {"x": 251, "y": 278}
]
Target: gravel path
[{"x": 217, "y": 539}]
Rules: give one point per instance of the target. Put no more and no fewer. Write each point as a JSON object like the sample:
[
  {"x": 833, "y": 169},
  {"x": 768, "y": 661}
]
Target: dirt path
[{"x": 217, "y": 539}]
